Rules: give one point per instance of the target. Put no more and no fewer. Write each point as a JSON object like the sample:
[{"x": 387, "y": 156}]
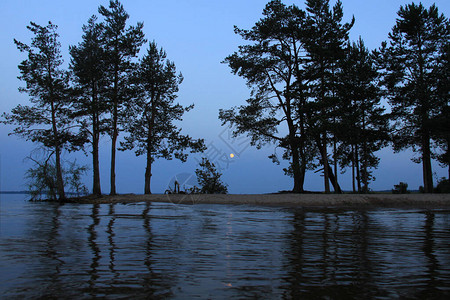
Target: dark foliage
[
  {"x": 362, "y": 126},
  {"x": 410, "y": 61},
  {"x": 121, "y": 44},
  {"x": 209, "y": 178},
  {"x": 88, "y": 66},
  {"x": 401, "y": 188},
  {"x": 443, "y": 186},
  {"x": 48, "y": 120},
  {"x": 151, "y": 115}
]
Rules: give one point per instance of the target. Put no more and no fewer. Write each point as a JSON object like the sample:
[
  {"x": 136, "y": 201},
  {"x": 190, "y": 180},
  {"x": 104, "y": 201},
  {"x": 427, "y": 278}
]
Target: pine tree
[
  {"x": 363, "y": 126},
  {"x": 441, "y": 122},
  {"x": 88, "y": 65},
  {"x": 271, "y": 63},
  {"x": 121, "y": 45},
  {"x": 152, "y": 113},
  {"x": 409, "y": 60},
  {"x": 48, "y": 120},
  {"x": 324, "y": 40},
  {"x": 209, "y": 179}
]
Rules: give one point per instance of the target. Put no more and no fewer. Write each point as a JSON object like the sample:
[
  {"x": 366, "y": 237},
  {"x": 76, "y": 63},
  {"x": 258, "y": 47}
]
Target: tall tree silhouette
[
  {"x": 324, "y": 40},
  {"x": 47, "y": 121},
  {"x": 270, "y": 62},
  {"x": 441, "y": 122},
  {"x": 409, "y": 60},
  {"x": 122, "y": 44},
  {"x": 363, "y": 126},
  {"x": 151, "y": 115},
  {"x": 88, "y": 65}
]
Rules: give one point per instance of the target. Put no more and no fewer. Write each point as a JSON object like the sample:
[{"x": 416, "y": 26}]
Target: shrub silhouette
[
  {"x": 209, "y": 179},
  {"x": 401, "y": 188}
]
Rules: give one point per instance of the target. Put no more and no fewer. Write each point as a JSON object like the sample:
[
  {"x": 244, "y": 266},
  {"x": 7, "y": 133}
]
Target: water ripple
[{"x": 221, "y": 251}]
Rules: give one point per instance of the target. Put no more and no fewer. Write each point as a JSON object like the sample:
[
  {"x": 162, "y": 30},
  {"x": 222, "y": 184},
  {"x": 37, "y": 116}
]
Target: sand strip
[{"x": 305, "y": 200}]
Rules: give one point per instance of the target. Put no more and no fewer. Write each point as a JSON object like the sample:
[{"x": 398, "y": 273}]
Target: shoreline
[{"x": 297, "y": 200}]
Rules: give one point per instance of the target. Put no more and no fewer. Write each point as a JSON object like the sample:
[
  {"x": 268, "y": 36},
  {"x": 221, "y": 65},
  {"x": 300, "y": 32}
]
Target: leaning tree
[{"x": 270, "y": 62}]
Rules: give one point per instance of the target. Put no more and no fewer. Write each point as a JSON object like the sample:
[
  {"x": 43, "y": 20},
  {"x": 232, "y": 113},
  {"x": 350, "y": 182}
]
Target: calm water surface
[{"x": 220, "y": 252}]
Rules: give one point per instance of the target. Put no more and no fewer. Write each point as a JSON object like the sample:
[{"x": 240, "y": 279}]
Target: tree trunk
[
  {"x": 59, "y": 177},
  {"x": 115, "y": 132},
  {"x": 424, "y": 106},
  {"x": 426, "y": 164},
  {"x": 298, "y": 178},
  {"x": 448, "y": 158},
  {"x": 148, "y": 173},
  {"x": 293, "y": 144},
  {"x": 96, "y": 188},
  {"x": 303, "y": 160},
  {"x": 358, "y": 170},
  {"x": 302, "y": 167},
  {"x": 151, "y": 122},
  {"x": 353, "y": 169},
  {"x": 113, "y": 152},
  {"x": 365, "y": 175},
  {"x": 365, "y": 167},
  {"x": 326, "y": 168},
  {"x": 335, "y": 158},
  {"x": 323, "y": 154},
  {"x": 334, "y": 181}
]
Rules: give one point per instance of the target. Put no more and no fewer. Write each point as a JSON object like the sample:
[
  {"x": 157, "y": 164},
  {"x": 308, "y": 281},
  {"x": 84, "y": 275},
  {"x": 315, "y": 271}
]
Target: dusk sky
[{"x": 197, "y": 35}]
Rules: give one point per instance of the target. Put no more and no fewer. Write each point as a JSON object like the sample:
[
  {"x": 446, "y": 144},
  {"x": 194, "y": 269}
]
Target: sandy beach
[{"x": 302, "y": 200}]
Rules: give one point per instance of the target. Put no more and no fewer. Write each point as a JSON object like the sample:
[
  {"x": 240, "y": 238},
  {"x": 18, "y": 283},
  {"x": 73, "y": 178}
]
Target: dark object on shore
[
  {"x": 401, "y": 188},
  {"x": 443, "y": 186}
]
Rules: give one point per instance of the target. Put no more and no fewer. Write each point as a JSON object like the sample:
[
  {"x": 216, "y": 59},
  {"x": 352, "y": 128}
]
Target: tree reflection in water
[
  {"x": 92, "y": 242},
  {"x": 429, "y": 248},
  {"x": 54, "y": 259},
  {"x": 112, "y": 246},
  {"x": 167, "y": 251},
  {"x": 350, "y": 254}
]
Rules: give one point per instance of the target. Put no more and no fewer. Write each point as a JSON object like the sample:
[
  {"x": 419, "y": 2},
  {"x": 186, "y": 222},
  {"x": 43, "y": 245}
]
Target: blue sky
[{"x": 197, "y": 35}]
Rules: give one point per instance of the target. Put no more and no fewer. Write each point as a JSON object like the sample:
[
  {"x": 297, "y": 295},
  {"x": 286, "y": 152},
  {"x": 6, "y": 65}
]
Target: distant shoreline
[{"x": 300, "y": 200}]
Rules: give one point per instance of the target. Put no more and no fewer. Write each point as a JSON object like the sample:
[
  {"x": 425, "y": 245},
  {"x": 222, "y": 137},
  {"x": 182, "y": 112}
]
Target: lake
[{"x": 163, "y": 250}]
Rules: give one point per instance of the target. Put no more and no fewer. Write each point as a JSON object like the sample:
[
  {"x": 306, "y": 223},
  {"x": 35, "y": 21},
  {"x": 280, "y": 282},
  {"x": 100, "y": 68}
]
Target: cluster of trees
[
  {"x": 318, "y": 96},
  {"x": 315, "y": 94},
  {"x": 106, "y": 90}
]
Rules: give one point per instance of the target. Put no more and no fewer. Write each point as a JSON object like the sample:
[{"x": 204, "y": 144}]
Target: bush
[
  {"x": 41, "y": 179},
  {"x": 443, "y": 186},
  {"x": 401, "y": 188},
  {"x": 209, "y": 179}
]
